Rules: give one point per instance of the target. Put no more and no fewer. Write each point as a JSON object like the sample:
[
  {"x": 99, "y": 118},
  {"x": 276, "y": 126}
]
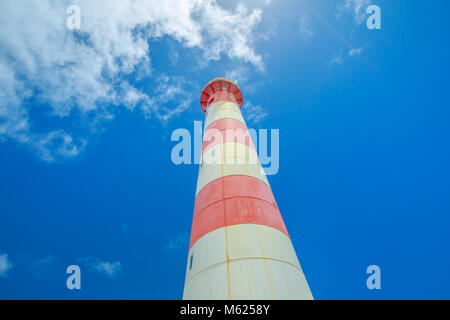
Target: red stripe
[
  {"x": 215, "y": 136},
  {"x": 235, "y": 211},
  {"x": 222, "y": 96},
  {"x": 227, "y": 123},
  {"x": 231, "y": 187},
  {"x": 234, "y": 200}
]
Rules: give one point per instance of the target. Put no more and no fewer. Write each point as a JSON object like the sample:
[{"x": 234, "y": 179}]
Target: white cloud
[
  {"x": 54, "y": 144},
  {"x": 305, "y": 27},
  {"x": 44, "y": 65},
  {"x": 110, "y": 269},
  {"x": 179, "y": 241},
  {"x": 48, "y": 260},
  {"x": 337, "y": 60},
  {"x": 239, "y": 74},
  {"x": 5, "y": 265},
  {"x": 355, "y": 52},
  {"x": 357, "y": 8},
  {"x": 44, "y": 266},
  {"x": 170, "y": 98},
  {"x": 254, "y": 114},
  {"x": 340, "y": 58}
]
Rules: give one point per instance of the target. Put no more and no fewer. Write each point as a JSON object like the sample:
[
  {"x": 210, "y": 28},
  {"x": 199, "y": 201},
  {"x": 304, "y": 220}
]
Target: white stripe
[
  {"x": 222, "y": 110},
  {"x": 228, "y": 159},
  {"x": 245, "y": 261}
]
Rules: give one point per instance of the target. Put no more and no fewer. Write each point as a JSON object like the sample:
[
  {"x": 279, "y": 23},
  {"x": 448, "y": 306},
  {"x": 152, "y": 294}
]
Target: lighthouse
[{"x": 239, "y": 248}]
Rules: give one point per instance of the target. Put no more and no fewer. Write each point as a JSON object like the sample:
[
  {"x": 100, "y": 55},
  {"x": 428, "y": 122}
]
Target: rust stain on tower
[{"x": 239, "y": 246}]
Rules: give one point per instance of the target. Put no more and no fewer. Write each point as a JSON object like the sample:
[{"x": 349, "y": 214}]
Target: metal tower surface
[{"x": 239, "y": 246}]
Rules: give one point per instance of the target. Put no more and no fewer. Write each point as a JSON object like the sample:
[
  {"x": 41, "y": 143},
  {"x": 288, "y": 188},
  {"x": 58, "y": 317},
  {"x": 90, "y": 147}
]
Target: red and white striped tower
[{"x": 239, "y": 247}]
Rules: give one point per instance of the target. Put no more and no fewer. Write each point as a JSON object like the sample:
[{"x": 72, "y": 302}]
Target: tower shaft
[{"x": 239, "y": 246}]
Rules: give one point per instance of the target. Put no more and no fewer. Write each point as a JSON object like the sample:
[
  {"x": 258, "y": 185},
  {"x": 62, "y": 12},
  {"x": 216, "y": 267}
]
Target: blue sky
[{"x": 86, "y": 119}]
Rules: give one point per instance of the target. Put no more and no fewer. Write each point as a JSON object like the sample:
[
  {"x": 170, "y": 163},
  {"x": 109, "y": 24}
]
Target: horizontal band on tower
[
  {"x": 223, "y": 110},
  {"x": 245, "y": 241},
  {"x": 235, "y": 211},
  {"x": 229, "y": 159},
  {"x": 232, "y": 187},
  {"x": 262, "y": 255},
  {"x": 210, "y": 172},
  {"x": 228, "y": 152},
  {"x": 227, "y": 123},
  {"x": 213, "y": 137}
]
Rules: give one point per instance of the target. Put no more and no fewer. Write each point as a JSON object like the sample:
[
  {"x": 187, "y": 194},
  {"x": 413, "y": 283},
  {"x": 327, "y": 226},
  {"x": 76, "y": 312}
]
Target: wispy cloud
[
  {"x": 180, "y": 241},
  {"x": 54, "y": 144},
  {"x": 170, "y": 98},
  {"x": 5, "y": 265},
  {"x": 240, "y": 74},
  {"x": 43, "y": 266},
  {"x": 84, "y": 75},
  {"x": 110, "y": 269},
  {"x": 355, "y": 52},
  {"x": 305, "y": 27},
  {"x": 337, "y": 60},
  {"x": 357, "y": 8},
  {"x": 47, "y": 260},
  {"x": 340, "y": 58},
  {"x": 254, "y": 114}
]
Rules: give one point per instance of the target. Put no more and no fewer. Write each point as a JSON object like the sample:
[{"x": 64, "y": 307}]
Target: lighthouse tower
[{"x": 239, "y": 246}]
